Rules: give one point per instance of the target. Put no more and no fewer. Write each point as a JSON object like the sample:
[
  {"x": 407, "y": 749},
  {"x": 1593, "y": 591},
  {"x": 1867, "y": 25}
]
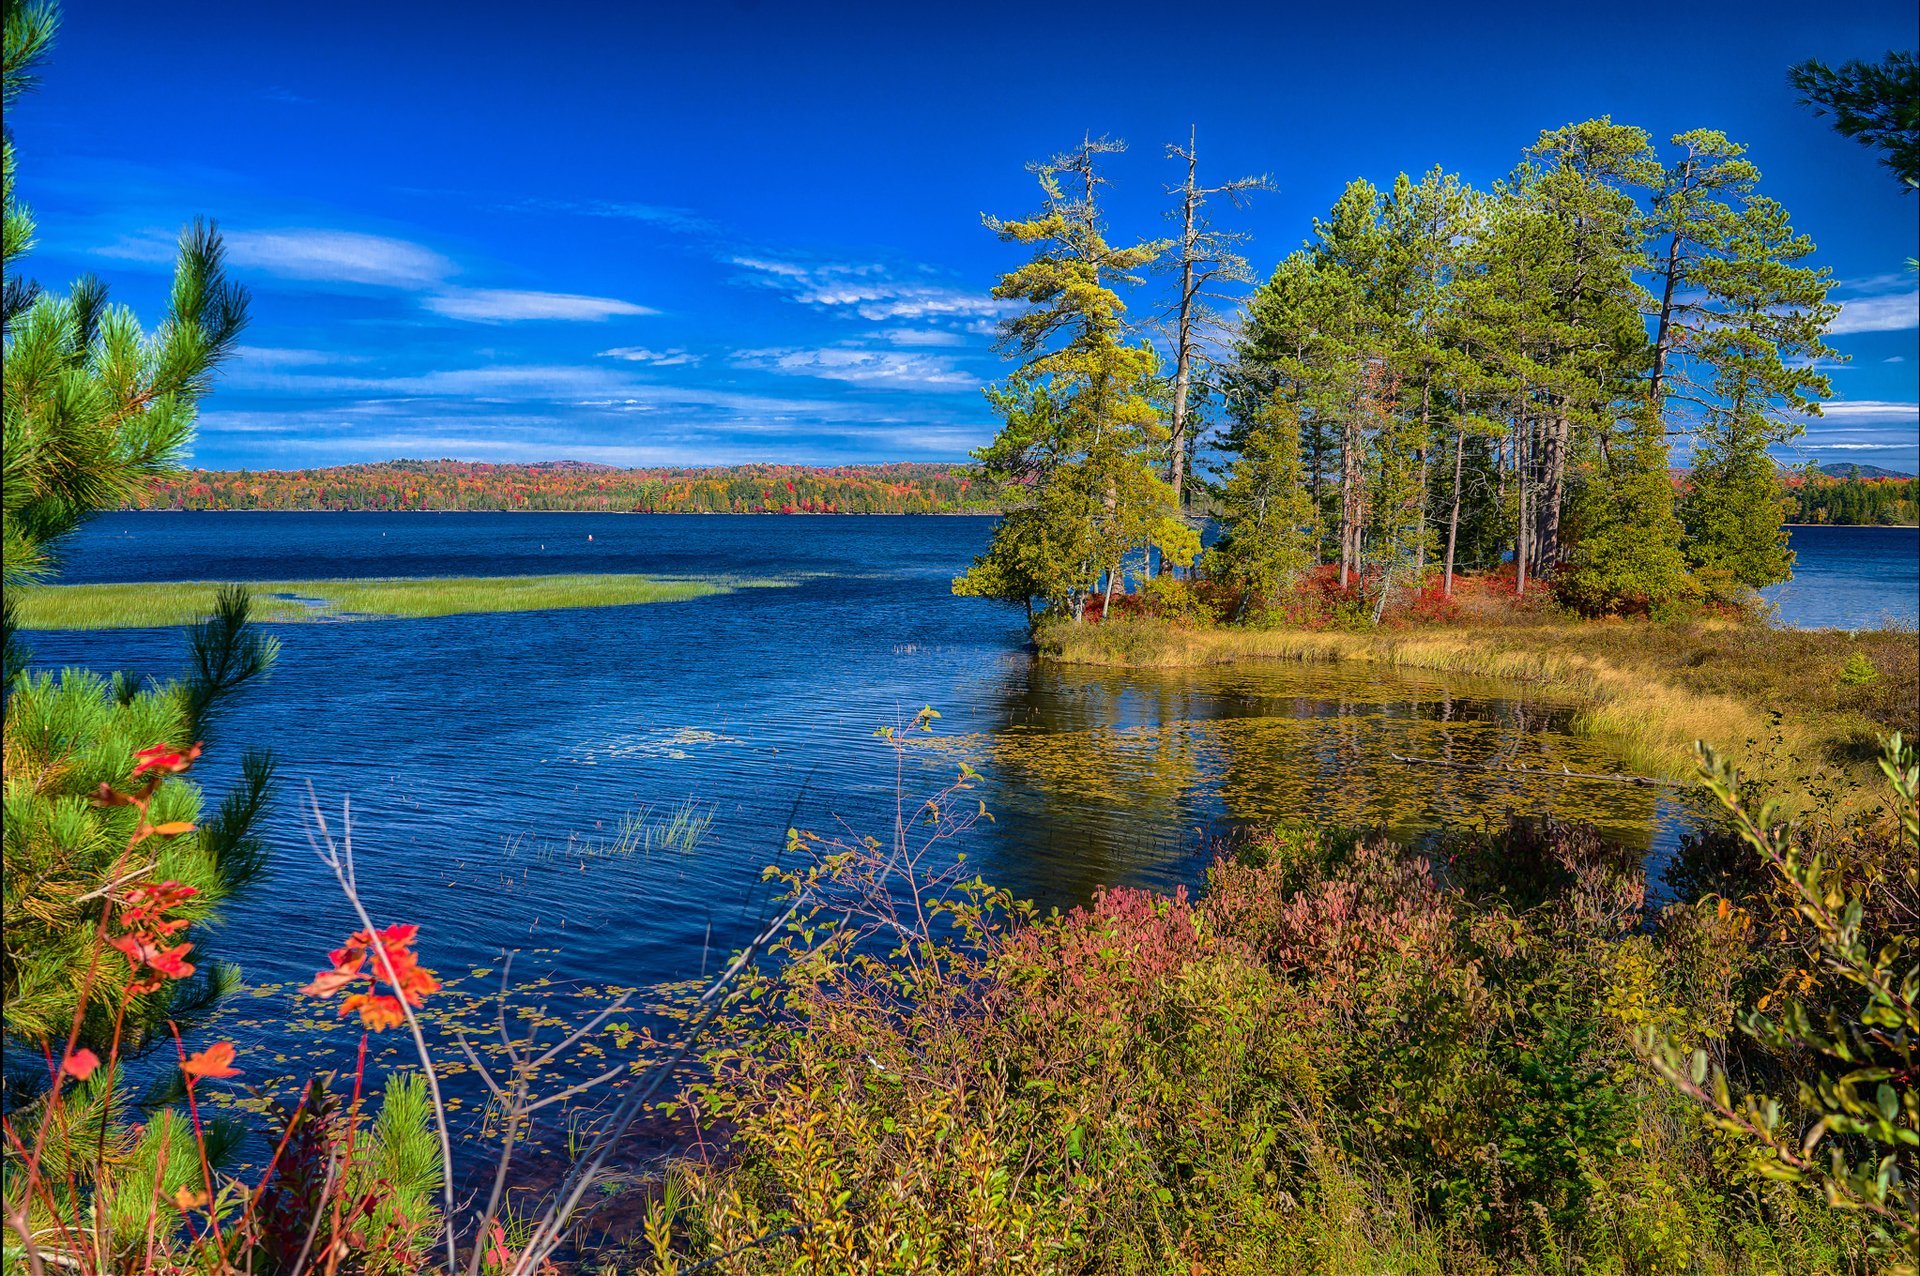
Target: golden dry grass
[{"x": 1775, "y": 699}]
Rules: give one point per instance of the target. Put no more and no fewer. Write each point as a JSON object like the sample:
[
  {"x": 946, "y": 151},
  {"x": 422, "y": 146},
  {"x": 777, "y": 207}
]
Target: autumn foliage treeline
[
  {"x": 903, "y": 488},
  {"x": 1854, "y": 502}
]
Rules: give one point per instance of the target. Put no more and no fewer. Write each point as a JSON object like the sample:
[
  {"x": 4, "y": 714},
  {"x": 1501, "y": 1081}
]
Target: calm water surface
[
  {"x": 1851, "y": 578},
  {"x": 481, "y": 753}
]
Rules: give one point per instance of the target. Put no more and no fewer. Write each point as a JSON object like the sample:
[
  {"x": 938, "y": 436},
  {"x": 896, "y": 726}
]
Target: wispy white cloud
[
  {"x": 674, "y": 358},
  {"x": 506, "y": 305},
  {"x": 1889, "y": 312},
  {"x": 890, "y": 368},
  {"x": 683, "y": 220},
  {"x": 779, "y": 269},
  {"x": 867, "y": 290},
  {"x": 338, "y": 256},
  {"x": 557, "y": 382},
  {"x": 1869, "y": 410},
  {"x": 921, "y": 337},
  {"x": 353, "y": 257},
  {"x": 591, "y": 386},
  {"x": 285, "y": 357}
]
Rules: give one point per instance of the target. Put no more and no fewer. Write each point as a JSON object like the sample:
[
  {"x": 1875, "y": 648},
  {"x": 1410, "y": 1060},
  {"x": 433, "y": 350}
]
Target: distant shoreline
[
  {"x": 623, "y": 513},
  {"x": 1894, "y": 527}
]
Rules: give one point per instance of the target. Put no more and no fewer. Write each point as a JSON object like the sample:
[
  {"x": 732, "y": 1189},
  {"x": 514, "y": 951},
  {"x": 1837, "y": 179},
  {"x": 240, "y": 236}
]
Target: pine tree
[
  {"x": 1268, "y": 514},
  {"x": 1202, "y": 258},
  {"x": 1077, "y": 455},
  {"x": 1583, "y": 336},
  {"x": 1283, "y": 355},
  {"x": 94, "y": 407},
  {"x": 1876, "y": 104},
  {"x": 1768, "y": 315}
]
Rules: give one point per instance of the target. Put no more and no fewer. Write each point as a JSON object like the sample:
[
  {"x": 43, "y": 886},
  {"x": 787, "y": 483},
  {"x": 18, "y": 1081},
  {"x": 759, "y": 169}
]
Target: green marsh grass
[
  {"x": 678, "y": 830},
  {"x": 159, "y": 604}
]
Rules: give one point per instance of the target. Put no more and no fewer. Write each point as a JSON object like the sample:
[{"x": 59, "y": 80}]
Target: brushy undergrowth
[
  {"x": 137, "y": 605},
  {"x": 1346, "y": 1056}
]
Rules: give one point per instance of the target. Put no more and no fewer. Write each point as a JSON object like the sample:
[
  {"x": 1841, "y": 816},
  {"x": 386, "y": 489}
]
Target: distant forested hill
[
  {"x": 1842, "y": 469},
  {"x": 1852, "y": 500},
  {"x": 576, "y": 486}
]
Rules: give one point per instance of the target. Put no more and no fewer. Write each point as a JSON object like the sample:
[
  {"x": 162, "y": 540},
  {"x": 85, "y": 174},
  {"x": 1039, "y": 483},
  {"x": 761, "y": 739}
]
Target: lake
[
  {"x": 487, "y": 757},
  {"x": 1851, "y": 578}
]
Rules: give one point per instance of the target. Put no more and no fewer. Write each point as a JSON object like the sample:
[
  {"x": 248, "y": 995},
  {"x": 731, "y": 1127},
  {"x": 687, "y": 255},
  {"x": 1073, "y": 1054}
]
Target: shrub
[
  {"x": 1178, "y": 599},
  {"x": 1862, "y": 1100}
]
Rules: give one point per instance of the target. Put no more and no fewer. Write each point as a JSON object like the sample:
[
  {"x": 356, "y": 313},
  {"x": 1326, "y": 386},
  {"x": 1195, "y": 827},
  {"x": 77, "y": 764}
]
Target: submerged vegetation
[{"x": 134, "y": 605}]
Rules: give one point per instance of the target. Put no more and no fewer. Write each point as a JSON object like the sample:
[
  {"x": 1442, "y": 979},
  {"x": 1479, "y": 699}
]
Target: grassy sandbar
[{"x": 149, "y": 604}]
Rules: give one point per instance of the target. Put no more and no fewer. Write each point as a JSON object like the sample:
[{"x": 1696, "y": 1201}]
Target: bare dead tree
[{"x": 1205, "y": 258}]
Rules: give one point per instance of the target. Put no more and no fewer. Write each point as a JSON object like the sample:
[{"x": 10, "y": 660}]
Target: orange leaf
[
  {"x": 173, "y": 828},
  {"x": 214, "y": 1061}
]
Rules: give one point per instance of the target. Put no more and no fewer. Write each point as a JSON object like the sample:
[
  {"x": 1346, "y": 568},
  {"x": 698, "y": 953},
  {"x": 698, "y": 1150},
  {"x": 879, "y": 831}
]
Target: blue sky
[{"x": 714, "y": 233}]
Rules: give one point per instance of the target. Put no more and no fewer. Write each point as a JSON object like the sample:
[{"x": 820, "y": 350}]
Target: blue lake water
[
  {"x": 482, "y": 753},
  {"x": 1851, "y": 578}
]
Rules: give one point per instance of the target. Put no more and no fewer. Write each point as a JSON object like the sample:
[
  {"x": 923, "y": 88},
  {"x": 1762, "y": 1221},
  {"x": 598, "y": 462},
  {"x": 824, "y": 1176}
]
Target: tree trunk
[
  {"x": 1453, "y": 519},
  {"x": 1663, "y": 332},
  {"x": 1426, "y": 423},
  {"x": 1663, "y": 338},
  {"x": 1183, "y": 353},
  {"x": 1349, "y": 499},
  {"x": 1553, "y": 495},
  {"x": 1521, "y": 547}
]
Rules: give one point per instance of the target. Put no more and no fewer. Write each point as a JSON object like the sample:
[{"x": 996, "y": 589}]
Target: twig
[
  {"x": 1561, "y": 774},
  {"x": 340, "y": 859},
  {"x": 737, "y": 1250}
]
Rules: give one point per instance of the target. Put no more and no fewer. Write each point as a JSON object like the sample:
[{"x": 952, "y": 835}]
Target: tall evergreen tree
[
  {"x": 1691, "y": 202},
  {"x": 1202, "y": 258},
  {"x": 1283, "y": 354},
  {"x": 1769, "y": 315},
  {"x": 92, "y": 408},
  {"x": 1078, "y": 454},
  {"x": 1267, "y": 510},
  {"x": 1580, "y": 231}
]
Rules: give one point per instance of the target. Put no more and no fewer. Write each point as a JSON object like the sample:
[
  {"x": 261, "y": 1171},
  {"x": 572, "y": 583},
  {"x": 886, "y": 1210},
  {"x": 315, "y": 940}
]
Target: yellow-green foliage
[{"x": 123, "y": 606}]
